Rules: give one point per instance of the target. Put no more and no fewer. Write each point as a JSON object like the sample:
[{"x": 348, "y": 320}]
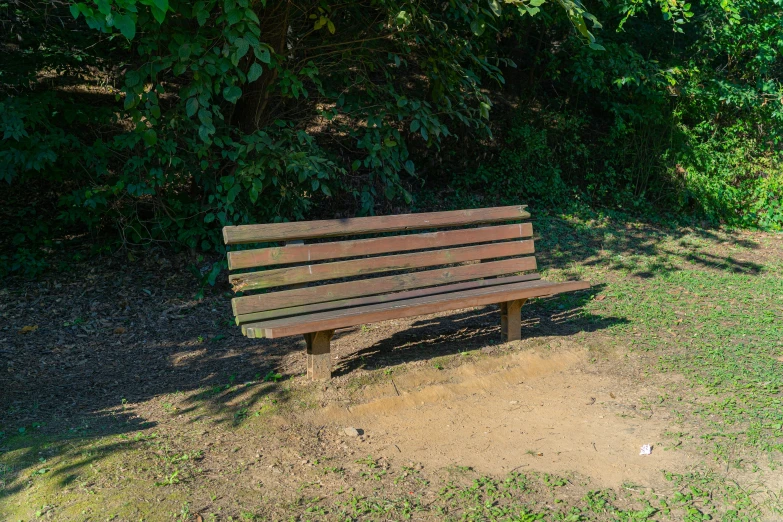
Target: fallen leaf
[
  {"x": 28, "y": 329},
  {"x": 600, "y": 298},
  {"x": 120, "y": 330},
  {"x": 612, "y": 395},
  {"x": 198, "y": 518}
]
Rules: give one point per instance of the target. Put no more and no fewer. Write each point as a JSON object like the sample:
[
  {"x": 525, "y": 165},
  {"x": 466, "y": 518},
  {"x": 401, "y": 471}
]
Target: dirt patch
[{"x": 523, "y": 410}]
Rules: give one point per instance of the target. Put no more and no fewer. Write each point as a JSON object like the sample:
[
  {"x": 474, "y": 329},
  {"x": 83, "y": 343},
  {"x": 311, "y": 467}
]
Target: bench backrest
[{"x": 324, "y": 275}]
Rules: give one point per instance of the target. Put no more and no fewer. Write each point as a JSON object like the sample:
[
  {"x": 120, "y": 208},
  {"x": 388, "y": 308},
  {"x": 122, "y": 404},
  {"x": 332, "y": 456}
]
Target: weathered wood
[
  {"x": 297, "y": 242},
  {"x": 372, "y": 265},
  {"x": 319, "y": 362},
  {"x": 511, "y": 320},
  {"x": 243, "y": 234},
  {"x": 378, "y": 245},
  {"x": 412, "y": 307},
  {"x": 384, "y": 298},
  {"x": 379, "y": 285}
]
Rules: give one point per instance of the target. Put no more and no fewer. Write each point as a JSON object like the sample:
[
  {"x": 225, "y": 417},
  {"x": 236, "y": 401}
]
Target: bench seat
[
  {"x": 410, "y": 307},
  {"x": 414, "y": 264}
]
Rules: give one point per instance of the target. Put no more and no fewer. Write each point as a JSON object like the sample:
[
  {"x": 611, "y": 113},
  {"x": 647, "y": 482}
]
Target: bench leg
[
  {"x": 319, "y": 362},
  {"x": 511, "y": 320}
]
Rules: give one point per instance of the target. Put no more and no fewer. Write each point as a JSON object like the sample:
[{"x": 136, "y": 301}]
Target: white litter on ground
[{"x": 646, "y": 450}]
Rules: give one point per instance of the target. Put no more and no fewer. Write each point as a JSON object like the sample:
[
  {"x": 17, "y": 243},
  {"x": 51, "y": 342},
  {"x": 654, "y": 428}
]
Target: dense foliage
[{"x": 165, "y": 119}]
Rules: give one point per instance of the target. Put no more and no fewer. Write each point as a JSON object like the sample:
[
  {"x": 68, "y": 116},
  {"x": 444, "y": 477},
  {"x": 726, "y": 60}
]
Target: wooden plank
[
  {"x": 410, "y": 308},
  {"x": 242, "y": 234},
  {"x": 319, "y": 358},
  {"x": 384, "y": 298},
  {"x": 378, "y": 245},
  {"x": 359, "y": 267},
  {"x": 511, "y": 320},
  {"x": 379, "y": 285}
]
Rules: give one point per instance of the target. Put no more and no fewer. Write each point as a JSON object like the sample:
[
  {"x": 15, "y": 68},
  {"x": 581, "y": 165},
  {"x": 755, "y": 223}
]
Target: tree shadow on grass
[
  {"x": 80, "y": 398},
  {"x": 641, "y": 250},
  {"x": 98, "y": 436}
]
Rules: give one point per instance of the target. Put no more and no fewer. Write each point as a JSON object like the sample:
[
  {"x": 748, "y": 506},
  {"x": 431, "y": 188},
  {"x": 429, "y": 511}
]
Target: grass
[{"x": 701, "y": 305}]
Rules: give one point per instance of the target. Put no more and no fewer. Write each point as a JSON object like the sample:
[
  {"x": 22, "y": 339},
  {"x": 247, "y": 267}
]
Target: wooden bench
[{"x": 327, "y": 285}]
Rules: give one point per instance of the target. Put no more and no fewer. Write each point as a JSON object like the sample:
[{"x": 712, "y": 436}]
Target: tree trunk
[{"x": 252, "y": 111}]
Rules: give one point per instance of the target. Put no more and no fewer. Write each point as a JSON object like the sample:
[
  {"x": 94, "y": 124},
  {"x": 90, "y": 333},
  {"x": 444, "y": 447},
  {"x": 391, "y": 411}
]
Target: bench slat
[
  {"x": 379, "y": 285},
  {"x": 241, "y": 234},
  {"x": 372, "y": 265},
  {"x": 384, "y": 298},
  {"x": 413, "y": 307},
  {"x": 379, "y": 245}
]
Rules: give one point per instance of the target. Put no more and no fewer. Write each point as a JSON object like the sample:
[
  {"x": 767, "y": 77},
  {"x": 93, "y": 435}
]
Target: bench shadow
[{"x": 467, "y": 330}]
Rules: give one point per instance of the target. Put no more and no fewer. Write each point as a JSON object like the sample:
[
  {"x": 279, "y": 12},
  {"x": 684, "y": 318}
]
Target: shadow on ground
[
  {"x": 561, "y": 315},
  {"x": 109, "y": 332},
  {"x": 639, "y": 249}
]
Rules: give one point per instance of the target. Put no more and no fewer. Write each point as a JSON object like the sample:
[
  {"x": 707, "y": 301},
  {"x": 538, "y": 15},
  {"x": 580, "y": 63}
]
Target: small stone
[
  {"x": 352, "y": 432},
  {"x": 488, "y": 350},
  {"x": 513, "y": 402}
]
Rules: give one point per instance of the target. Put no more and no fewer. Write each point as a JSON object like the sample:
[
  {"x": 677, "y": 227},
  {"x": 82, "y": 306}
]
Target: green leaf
[
  {"x": 158, "y": 14},
  {"x": 242, "y": 47},
  {"x": 163, "y": 5},
  {"x": 232, "y": 93},
  {"x": 184, "y": 51},
  {"x": 262, "y": 53},
  {"x": 132, "y": 78},
  {"x": 495, "y": 6},
  {"x": 402, "y": 19},
  {"x": 203, "y": 133},
  {"x": 74, "y": 8},
  {"x": 204, "y": 116},
  {"x": 234, "y": 16},
  {"x": 130, "y": 101},
  {"x": 126, "y": 25},
  {"x": 250, "y": 15},
  {"x": 597, "y": 47},
  {"x": 150, "y": 137},
  {"x": 233, "y": 193},
  {"x": 191, "y": 106},
  {"x": 330, "y": 26},
  {"x": 326, "y": 190},
  {"x": 415, "y": 124},
  {"x": 478, "y": 27},
  {"x": 484, "y": 110},
  {"x": 254, "y": 72}
]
